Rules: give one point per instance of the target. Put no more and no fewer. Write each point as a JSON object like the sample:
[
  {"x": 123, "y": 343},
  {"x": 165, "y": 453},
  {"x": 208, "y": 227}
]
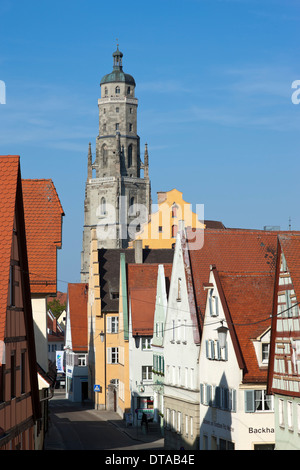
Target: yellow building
[
  {"x": 173, "y": 213},
  {"x": 108, "y": 346}
]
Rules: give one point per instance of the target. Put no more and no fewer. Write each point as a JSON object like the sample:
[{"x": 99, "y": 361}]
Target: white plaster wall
[
  {"x": 235, "y": 426},
  {"x": 39, "y": 311},
  {"x": 181, "y": 351}
]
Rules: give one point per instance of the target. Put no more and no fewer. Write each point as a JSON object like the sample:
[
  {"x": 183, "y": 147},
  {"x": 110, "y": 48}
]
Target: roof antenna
[{"x": 290, "y": 224}]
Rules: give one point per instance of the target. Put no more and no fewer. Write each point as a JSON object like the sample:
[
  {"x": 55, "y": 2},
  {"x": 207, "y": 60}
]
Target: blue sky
[{"x": 214, "y": 87}]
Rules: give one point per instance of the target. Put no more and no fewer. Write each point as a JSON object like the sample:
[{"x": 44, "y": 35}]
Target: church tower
[{"x": 118, "y": 191}]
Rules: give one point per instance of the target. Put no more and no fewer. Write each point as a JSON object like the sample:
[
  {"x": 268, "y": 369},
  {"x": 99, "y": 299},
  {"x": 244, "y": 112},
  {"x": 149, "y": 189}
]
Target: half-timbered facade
[
  {"x": 284, "y": 370},
  {"x": 19, "y": 398}
]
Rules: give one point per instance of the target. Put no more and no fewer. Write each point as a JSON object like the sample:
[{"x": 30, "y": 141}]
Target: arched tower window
[
  {"x": 104, "y": 155},
  {"x": 103, "y": 206},
  {"x": 131, "y": 206},
  {"x": 117, "y": 90},
  {"x": 129, "y": 155},
  {"x": 106, "y": 90}
]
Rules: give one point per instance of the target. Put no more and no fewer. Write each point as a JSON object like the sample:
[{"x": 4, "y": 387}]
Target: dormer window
[{"x": 265, "y": 348}]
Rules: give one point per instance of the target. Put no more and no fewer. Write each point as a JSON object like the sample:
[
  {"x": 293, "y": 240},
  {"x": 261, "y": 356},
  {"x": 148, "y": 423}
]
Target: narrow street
[{"x": 76, "y": 426}]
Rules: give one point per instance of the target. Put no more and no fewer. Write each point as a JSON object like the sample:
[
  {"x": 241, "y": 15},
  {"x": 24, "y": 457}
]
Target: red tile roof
[
  {"x": 249, "y": 298},
  {"x": 78, "y": 298},
  {"x": 290, "y": 245},
  {"x": 9, "y": 171},
  {"x": 43, "y": 220},
  {"x": 142, "y": 310},
  {"x": 231, "y": 250},
  {"x": 142, "y": 281}
]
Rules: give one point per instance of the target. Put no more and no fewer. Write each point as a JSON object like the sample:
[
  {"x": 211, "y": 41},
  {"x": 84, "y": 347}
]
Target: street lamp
[
  {"x": 102, "y": 336},
  {"x": 222, "y": 335},
  {"x": 137, "y": 340}
]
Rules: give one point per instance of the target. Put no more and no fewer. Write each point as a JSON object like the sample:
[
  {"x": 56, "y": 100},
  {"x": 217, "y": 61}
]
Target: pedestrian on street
[{"x": 144, "y": 422}]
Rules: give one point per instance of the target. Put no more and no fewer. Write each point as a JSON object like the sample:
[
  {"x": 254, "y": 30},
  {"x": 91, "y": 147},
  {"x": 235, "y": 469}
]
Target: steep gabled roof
[
  {"x": 142, "y": 310},
  {"x": 78, "y": 298},
  {"x": 142, "y": 282},
  {"x": 9, "y": 172},
  {"x": 231, "y": 250},
  {"x": 247, "y": 300},
  {"x": 43, "y": 220},
  {"x": 12, "y": 210}
]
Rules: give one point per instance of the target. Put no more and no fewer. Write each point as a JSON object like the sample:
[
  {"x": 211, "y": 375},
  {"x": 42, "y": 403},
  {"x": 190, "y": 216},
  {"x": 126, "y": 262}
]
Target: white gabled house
[
  {"x": 181, "y": 350},
  {"x": 235, "y": 411},
  {"x": 76, "y": 344},
  {"x": 162, "y": 290}
]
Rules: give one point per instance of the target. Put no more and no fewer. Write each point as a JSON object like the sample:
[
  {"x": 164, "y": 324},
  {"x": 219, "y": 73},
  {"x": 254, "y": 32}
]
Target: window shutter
[
  {"x": 207, "y": 350},
  {"x": 233, "y": 400},
  {"x": 218, "y": 397},
  {"x": 208, "y": 395},
  {"x": 226, "y": 352},
  {"x": 210, "y": 304},
  {"x": 212, "y": 348},
  {"x": 249, "y": 401},
  {"x": 218, "y": 351},
  {"x": 108, "y": 355},
  {"x": 216, "y": 306},
  {"x": 108, "y": 325}
]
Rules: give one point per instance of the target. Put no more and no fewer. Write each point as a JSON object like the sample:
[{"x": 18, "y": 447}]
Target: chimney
[{"x": 138, "y": 251}]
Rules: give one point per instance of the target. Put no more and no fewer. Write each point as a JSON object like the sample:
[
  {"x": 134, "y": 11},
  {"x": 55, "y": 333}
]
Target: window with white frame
[
  {"x": 223, "y": 398},
  {"x": 173, "y": 420},
  {"x": 214, "y": 352},
  {"x": 147, "y": 372},
  {"x": 179, "y": 422},
  {"x": 81, "y": 360},
  {"x": 192, "y": 378},
  {"x": 281, "y": 412},
  {"x": 146, "y": 343},
  {"x": 186, "y": 425},
  {"x": 290, "y": 414},
  {"x": 112, "y": 325},
  {"x": 265, "y": 347},
  {"x": 178, "y": 330},
  {"x": 173, "y": 331},
  {"x": 168, "y": 418},
  {"x": 112, "y": 355},
  {"x": 186, "y": 377},
  {"x": 258, "y": 401},
  {"x": 184, "y": 331}
]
